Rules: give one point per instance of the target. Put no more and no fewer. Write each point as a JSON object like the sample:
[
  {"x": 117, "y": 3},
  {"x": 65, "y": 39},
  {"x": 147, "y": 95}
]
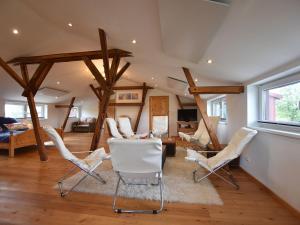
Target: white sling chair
[
  {"x": 201, "y": 136},
  {"x": 113, "y": 129},
  {"x": 233, "y": 150},
  {"x": 87, "y": 165},
  {"x": 126, "y": 130},
  {"x": 137, "y": 162},
  {"x": 160, "y": 126}
]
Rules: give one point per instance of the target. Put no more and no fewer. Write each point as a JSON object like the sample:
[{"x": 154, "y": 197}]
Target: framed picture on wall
[{"x": 128, "y": 96}]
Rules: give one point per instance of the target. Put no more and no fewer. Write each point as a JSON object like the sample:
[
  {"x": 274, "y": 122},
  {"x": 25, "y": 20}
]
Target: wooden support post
[
  {"x": 68, "y": 113},
  {"x": 34, "y": 116},
  {"x": 179, "y": 102},
  {"x": 217, "y": 90},
  {"x": 106, "y": 85},
  {"x": 202, "y": 108},
  {"x": 145, "y": 90}
]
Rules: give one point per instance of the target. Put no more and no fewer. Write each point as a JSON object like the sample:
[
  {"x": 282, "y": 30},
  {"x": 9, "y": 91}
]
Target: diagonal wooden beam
[
  {"x": 42, "y": 77},
  {"x": 98, "y": 76},
  {"x": 12, "y": 73},
  {"x": 114, "y": 68},
  {"x": 24, "y": 72},
  {"x": 34, "y": 117},
  {"x": 202, "y": 108},
  {"x": 179, "y": 102},
  {"x": 96, "y": 92},
  {"x": 145, "y": 90},
  {"x": 103, "y": 44},
  {"x": 122, "y": 70},
  {"x": 71, "y": 105},
  {"x": 217, "y": 90}
]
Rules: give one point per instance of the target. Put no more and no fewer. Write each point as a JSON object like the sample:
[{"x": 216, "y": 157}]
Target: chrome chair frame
[
  {"x": 91, "y": 173},
  {"x": 230, "y": 181},
  {"x": 154, "y": 211}
]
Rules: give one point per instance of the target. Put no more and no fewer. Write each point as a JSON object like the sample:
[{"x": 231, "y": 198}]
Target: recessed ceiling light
[
  {"x": 133, "y": 41},
  {"x": 58, "y": 82},
  {"x": 56, "y": 97},
  {"x": 184, "y": 94},
  {"x": 15, "y": 31},
  {"x": 70, "y": 24},
  {"x": 209, "y": 61},
  {"x": 155, "y": 85},
  {"x": 152, "y": 78},
  {"x": 196, "y": 80}
]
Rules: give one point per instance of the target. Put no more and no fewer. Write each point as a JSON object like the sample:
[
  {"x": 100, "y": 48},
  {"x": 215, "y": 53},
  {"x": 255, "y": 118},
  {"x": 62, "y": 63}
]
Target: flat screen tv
[{"x": 187, "y": 115}]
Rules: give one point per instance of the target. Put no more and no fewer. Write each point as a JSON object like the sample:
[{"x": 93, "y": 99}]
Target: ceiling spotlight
[
  {"x": 209, "y": 61},
  {"x": 58, "y": 82},
  {"x": 152, "y": 78},
  {"x": 196, "y": 80},
  {"x": 70, "y": 24},
  {"x": 15, "y": 31},
  {"x": 56, "y": 97},
  {"x": 133, "y": 41},
  {"x": 184, "y": 94}
]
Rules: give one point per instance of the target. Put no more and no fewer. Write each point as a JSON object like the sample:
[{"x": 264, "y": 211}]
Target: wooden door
[{"x": 158, "y": 106}]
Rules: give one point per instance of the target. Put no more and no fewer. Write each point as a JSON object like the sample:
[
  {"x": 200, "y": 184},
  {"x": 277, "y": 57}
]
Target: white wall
[{"x": 271, "y": 158}]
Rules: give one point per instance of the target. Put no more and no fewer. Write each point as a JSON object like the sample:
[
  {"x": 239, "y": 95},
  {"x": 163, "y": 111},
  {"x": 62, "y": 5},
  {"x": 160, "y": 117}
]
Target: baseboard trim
[{"x": 294, "y": 211}]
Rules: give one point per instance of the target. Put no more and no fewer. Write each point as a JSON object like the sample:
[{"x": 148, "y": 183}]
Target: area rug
[{"x": 178, "y": 184}]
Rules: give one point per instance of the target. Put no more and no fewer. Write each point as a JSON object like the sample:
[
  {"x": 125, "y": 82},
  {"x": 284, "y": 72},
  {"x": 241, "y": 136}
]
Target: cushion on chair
[
  {"x": 204, "y": 138},
  {"x": 92, "y": 160},
  {"x": 234, "y": 148},
  {"x": 125, "y": 126},
  {"x": 192, "y": 155},
  {"x": 113, "y": 128}
]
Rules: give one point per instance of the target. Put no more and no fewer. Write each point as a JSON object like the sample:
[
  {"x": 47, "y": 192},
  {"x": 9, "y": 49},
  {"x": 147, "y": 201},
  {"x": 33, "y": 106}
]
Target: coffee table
[{"x": 170, "y": 144}]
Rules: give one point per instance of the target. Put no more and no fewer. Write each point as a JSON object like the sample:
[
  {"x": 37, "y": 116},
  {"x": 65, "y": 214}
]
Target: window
[
  {"x": 218, "y": 107},
  {"x": 280, "y": 102},
  {"x": 20, "y": 110},
  {"x": 74, "y": 112}
]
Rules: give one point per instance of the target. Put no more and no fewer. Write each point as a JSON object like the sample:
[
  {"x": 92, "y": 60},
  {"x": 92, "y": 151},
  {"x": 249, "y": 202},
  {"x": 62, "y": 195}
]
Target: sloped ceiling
[{"x": 245, "y": 39}]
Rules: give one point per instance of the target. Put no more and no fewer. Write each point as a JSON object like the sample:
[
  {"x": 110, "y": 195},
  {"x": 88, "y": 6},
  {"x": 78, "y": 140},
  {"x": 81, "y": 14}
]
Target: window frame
[
  {"x": 220, "y": 100},
  {"x": 280, "y": 125},
  {"x": 25, "y": 107},
  {"x": 78, "y": 113}
]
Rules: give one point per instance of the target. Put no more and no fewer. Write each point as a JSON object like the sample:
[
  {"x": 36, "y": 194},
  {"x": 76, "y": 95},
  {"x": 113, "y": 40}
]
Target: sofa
[{"x": 84, "y": 125}]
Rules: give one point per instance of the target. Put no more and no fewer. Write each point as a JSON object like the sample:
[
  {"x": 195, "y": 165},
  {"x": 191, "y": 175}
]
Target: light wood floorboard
[{"x": 27, "y": 196}]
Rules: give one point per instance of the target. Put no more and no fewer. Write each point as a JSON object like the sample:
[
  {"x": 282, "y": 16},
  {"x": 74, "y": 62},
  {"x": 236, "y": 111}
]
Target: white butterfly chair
[
  {"x": 126, "y": 130},
  {"x": 233, "y": 150},
  {"x": 112, "y": 128},
  {"x": 87, "y": 165},
  {"x": 201, "y": 136},
  {"x": 137, "y": 162},
  {"x": 160, "y": 126}
]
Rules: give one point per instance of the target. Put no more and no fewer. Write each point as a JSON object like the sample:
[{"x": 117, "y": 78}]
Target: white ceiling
[{"x": 244, "y": 40}]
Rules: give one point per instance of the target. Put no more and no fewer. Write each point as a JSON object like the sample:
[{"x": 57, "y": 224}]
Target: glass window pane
[
  {"x": 283, "y": 104},
  {"x": 74, "y": 113},
  {"x": 39, "y": 109},
  {"x": 14, "y": 110}
]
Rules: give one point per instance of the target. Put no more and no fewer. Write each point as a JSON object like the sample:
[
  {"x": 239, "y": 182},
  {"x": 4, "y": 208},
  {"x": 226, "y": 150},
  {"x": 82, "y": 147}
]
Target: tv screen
[{"x": 187, "y": 115}]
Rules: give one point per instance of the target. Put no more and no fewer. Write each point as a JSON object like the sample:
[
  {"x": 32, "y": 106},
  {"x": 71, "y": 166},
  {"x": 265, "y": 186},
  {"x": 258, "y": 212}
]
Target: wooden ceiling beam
[
  {"x": 217, "y": 90},
  {"x": 131, "y": 87},
  {"x": 68, "y": 57},
  {"x": 12, "y": 73},
  {"x": 125, "y": 104},
  {"x": 96, "y": 92},
  {"x": 104, "y": 51}
]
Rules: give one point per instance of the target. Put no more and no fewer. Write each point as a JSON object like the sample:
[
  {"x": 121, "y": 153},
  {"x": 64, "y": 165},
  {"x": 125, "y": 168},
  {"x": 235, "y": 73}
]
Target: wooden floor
[{"x": 27, "y": 197}]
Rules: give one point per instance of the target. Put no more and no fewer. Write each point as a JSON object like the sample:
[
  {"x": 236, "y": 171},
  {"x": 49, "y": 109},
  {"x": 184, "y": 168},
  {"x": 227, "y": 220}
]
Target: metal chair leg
[{"x": 155, "y": 211}]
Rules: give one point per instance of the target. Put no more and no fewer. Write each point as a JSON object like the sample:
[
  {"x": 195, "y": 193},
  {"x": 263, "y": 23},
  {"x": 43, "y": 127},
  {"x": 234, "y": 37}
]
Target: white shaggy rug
[{"x": 178, "y": 184}]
